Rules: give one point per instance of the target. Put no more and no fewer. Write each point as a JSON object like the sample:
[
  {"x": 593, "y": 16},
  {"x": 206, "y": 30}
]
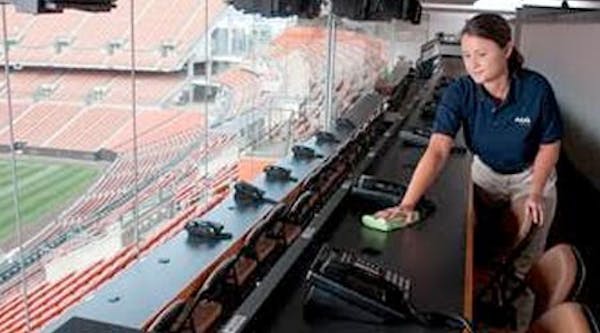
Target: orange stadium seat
[
  {"x": 89, "y": 48},
  {"x": 19, "y": 308},
  {"x": 17, "y": 301}
]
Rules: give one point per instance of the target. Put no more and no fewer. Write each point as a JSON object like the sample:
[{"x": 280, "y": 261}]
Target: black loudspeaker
[
  {"x": 352, "y": 9},
  {"x": 57, "y": 6},
  {"x": 279, "y": 8},
  {"x": 414, "y": 11},
  {"x": 378, "y": 10}
]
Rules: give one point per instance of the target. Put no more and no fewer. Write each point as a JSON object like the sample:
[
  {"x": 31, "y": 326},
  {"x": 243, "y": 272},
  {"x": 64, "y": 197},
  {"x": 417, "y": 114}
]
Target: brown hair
[{"x": 494, "y": 27}]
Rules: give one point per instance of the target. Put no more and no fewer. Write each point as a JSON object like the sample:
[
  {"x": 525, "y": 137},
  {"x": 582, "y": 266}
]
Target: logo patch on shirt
[{"x": 523, "y": 121}]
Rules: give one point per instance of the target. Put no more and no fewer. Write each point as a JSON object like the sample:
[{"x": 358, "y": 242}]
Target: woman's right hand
[
  {"x": 427, "y": 170},
  {"x": 394, "y": 211}
]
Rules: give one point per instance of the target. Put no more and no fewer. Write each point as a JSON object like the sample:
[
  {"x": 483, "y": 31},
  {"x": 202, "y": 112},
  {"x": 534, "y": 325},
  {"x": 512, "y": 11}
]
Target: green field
[{"x": 44, "y": 189}]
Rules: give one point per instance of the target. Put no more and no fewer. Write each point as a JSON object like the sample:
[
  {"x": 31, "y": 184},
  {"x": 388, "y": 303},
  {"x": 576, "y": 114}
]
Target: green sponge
[{"x": 397, "y": 222}]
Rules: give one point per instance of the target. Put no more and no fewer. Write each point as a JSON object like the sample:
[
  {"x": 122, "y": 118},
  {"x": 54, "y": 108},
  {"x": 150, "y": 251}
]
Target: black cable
[{"x": 439, "y": 319}]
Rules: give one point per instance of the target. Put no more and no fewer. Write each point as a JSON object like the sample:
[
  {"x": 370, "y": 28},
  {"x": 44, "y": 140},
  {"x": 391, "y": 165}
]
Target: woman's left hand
[{"x": 534, "y": 209}]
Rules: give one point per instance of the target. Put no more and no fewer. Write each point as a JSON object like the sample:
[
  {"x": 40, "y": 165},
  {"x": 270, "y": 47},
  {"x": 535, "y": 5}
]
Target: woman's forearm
[
  {"x": 544, "y": 163},
  {"x": 427, "y": 170}
]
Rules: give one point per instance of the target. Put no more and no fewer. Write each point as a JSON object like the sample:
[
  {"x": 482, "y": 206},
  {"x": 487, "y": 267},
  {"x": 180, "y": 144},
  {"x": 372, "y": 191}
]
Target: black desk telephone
[
  {"x": 382, "y": 193},
  {"x": 344, "y": 284}
]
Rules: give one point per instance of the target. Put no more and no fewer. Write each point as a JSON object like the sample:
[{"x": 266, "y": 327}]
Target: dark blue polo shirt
[{"x": 505, "y": 136}]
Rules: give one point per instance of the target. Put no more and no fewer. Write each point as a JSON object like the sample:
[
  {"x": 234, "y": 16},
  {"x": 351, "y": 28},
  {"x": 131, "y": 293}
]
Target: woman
[{"x": 511, "y": 124}]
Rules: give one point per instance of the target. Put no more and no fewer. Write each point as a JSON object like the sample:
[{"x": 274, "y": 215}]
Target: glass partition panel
[
  {"x": 128, "y": 123},
  {"x": 102, "y": 139},
  {"x": 292, "y": 64}
]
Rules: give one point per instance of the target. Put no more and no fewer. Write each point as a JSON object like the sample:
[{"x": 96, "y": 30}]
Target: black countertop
[{"x": 432, "y": 253}]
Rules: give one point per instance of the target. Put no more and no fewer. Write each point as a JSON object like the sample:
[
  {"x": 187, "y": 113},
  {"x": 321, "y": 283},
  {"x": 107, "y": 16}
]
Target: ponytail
[{"x": 515, "y": 61}]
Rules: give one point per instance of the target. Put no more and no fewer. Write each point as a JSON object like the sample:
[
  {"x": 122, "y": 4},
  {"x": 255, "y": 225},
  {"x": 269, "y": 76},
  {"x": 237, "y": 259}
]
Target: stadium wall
[{"x": 100, "y": 155}]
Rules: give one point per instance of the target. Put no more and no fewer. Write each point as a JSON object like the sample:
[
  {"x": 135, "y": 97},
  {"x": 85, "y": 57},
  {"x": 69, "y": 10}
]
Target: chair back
[
  {"x": 555, "y": 277},
  {"x": 566, "y": 317}
]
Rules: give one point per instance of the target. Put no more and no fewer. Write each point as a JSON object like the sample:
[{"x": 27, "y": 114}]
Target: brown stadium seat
[
  {"x": 243, "y": 269},
  {"x": 556, "y": 277},
  {"x": 264, "y": 247},
  {"x": 260, "y": 242},
  {"x": 167, "y": 317},
  {"x": 205, "y": 315},
  {"x": 565, "y": 318},
  {"x": 203, "y": 311}
]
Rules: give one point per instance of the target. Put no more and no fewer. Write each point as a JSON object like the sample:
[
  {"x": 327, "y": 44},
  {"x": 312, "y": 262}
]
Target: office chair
[
  {"x": 242, "y": 275},
  {"x": 214, "y": 298},
  {"x": 290, "y": 224},
  {"x": 301, "y": 210},
  {"x": 565, "y": 318},
  {"x": 202, "y": 312},
  {"x": 205, "y": 315},
  {"x": 557, "y": 276},
  {"x": 260, "y": 243},
  {"x": 166, "y": 318}
]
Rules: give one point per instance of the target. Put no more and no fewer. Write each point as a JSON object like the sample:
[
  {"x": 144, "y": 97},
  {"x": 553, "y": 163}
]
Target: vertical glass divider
[
  {"x": 15, "y": 179},
  {"x": 136, "y": 221},
  {"x": 330, "y": 71}
]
